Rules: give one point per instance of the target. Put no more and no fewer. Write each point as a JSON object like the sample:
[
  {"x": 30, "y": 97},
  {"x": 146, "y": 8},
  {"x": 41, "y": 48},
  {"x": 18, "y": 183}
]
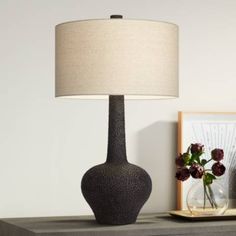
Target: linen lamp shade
[{"x": 135, "y": 58}]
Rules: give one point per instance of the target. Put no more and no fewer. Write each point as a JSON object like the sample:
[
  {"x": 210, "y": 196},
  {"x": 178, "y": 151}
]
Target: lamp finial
[{"x": 116, "y": 16}]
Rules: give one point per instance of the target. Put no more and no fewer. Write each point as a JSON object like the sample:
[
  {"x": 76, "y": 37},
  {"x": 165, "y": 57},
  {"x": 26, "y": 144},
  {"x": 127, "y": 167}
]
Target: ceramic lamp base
[{"x": 116, "y": 190}]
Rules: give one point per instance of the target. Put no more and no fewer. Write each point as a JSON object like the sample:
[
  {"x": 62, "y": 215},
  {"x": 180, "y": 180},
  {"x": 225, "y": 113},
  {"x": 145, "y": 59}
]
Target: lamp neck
[{"x": 116, "y": 134}]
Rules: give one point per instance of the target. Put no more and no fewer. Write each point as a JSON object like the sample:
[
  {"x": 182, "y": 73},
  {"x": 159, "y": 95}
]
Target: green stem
[
  {"x": 212, "y": 196},
  {"x": 206, "y": 194},
  {"x": 204, "y": 186},
  {"x": 209, "y": 198},
  {"x": 208, "y": 161}
]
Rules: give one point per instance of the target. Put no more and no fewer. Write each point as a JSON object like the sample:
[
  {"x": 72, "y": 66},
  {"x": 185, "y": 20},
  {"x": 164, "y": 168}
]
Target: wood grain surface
[{"x": 147, "y": 225}]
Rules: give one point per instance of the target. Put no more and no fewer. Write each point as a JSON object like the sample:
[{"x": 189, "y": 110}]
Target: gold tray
[{"x": 230, "y": 214}]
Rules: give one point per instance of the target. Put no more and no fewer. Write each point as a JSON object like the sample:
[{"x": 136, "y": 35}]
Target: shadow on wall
[
  {"x": 157, "y": 148},
  {"x": 232, "y": 189}
]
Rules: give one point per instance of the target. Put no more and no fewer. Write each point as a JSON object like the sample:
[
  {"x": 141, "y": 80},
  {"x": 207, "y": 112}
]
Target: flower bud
[
  {"x": 197, "y": 148},
  {"x": 217, "y": 154},
  {"x": 179, "y": 161},
  {"x": 182, "y": 174},
  {"x": 218, "y": 169},
  {"x": 196, "y": 171}
]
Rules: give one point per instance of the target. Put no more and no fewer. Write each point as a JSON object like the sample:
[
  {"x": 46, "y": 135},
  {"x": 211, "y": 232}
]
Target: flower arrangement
[{"x": 192, "y": 164}]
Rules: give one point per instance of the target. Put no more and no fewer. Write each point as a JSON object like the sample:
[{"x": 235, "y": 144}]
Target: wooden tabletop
[{"x": 146, "y": 225}]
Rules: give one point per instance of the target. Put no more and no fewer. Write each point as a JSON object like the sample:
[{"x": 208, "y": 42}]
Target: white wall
[{"x": 46, "y": 144}]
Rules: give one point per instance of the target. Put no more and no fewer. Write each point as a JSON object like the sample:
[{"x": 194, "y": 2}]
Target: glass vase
[{"x": 207, "y": 200}]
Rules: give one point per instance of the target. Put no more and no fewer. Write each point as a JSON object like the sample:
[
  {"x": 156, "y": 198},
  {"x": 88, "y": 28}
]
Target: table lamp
[{"x": 116, "y": 58}]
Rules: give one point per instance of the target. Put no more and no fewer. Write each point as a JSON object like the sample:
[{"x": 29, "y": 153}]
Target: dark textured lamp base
[{"x": 116, "y": 190}]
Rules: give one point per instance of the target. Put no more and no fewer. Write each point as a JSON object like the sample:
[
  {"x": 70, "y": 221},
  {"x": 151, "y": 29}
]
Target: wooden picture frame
[{"x": 214, "y": 130}]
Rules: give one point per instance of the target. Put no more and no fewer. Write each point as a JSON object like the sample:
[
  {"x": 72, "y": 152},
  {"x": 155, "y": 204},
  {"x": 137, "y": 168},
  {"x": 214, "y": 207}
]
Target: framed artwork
[{"x": 214, "y": 130}]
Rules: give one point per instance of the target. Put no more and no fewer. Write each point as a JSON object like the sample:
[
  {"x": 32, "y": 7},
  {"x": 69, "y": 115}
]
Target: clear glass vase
[{"x": 206, "y": 200}]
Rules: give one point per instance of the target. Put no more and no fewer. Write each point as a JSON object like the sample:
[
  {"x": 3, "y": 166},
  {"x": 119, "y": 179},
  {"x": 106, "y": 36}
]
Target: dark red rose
[
  {"x": 197, "y": 148},
  {"x": 217, "y": 154},
  {"x": 196, "y": 171},
  {"x": 179, "y": 161},
  {"x": 218, "y": 169},
  {"x": 182, "y": 174}
]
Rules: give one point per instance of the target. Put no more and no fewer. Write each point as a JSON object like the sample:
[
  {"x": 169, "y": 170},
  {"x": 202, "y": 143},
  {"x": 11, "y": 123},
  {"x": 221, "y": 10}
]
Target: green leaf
[
  {"x": 211, "y": 175},
  {"x": 186, "y": 157},
  {"x": 196, "y": 158},
  {"x": 208, "y": 178}
]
